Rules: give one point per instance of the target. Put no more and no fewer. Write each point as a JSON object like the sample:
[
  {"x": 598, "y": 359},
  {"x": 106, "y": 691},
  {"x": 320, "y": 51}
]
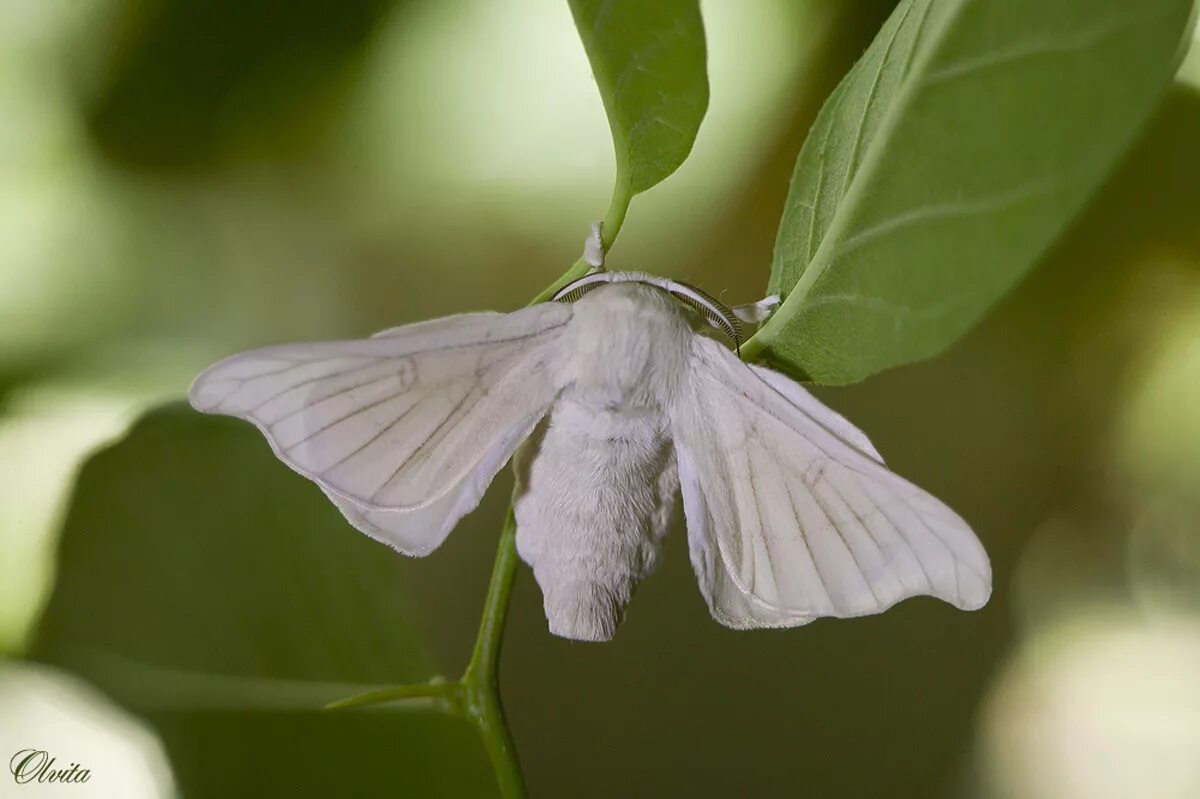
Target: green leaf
[
  {"x": 190, "y": 550},
  {"x": 365, "y": 755},
  {"x": 208, "y": 588},
  {"x": 947, "y": 161},
  {"x": 649, "y": 63}
]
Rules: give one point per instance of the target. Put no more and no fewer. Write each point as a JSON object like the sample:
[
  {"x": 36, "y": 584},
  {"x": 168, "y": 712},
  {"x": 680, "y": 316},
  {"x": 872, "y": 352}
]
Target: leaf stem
[
  {"x": 621, "y": 197},
  {"x": 577, "y": 270},
  {"x": 752, "y": 349},
  {"x": 436, "y": 693}
]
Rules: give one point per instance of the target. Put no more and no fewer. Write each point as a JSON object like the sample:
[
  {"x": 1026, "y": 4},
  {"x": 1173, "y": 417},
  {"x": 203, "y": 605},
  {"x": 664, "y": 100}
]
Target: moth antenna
[
  {"x": 756, "y": 312},
  {"x": 712, "y": 310},
  {"x": 593, "y": 248},
  {"x": 580, "y": 286}
]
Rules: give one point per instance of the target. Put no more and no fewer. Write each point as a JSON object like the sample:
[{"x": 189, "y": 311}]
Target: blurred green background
[{"x": 180, "y": 181}]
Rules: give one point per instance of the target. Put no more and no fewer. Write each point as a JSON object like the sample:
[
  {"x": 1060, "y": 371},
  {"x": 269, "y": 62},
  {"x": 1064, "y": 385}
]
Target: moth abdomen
[{"x": 593, "y": 502}]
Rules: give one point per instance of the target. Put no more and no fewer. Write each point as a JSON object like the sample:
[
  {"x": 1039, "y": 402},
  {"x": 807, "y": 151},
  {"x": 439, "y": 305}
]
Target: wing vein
[
  {"x": 862, "y": 522},
  {"x": 759, "y": 530},
  {"x": 953, "y": 556},
  {"x": 820, "y": 503},
  {"x": 807, "y": 547},
  {"x": 357, "y": 368},
  {"x": 240, "y": 382},
  {"x": 900, "y": 529},
  {"x": 408, "y": 458},
  {"x": 351, "y": 415},
  {"x": 327, "y": 397}
]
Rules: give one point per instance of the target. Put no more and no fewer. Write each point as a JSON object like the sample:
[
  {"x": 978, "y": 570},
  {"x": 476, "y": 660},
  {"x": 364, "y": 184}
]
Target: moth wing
[
  {"x": 793, "y": 516},
  {"x": 419, "y": 531},
  {"x": 809, "y": 405},
  {"x": 403, "y": 431}
]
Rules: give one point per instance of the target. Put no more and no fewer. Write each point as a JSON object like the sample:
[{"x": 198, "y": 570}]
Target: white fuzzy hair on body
[{"x": 597, "y": 480}]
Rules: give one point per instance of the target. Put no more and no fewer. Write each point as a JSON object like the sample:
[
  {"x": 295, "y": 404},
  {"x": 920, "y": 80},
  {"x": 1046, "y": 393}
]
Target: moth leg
[
  {"x": 593, "y": 249},
  {"x": 756, "y": 312}
]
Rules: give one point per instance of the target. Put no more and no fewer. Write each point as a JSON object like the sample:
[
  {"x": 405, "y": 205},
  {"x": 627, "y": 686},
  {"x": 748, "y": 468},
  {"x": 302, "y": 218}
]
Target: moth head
[{"x": 715, "y": 314}]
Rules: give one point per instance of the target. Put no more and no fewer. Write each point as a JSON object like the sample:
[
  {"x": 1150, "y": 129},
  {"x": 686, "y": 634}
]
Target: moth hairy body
[
  {"x": 597, "y": 482},
  {"x": 621, "y": 402}
]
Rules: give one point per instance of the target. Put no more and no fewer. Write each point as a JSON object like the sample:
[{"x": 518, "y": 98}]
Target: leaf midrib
[{"x": 822, "y": 258}]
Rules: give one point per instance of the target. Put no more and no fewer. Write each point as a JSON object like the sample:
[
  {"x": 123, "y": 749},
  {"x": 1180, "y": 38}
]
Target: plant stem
[
  {"x": 481, "y": 680},
  {"x": 577, "y": 270},
  {"x": 621, "y": 197},
  {"x": 436, "y": 693}
]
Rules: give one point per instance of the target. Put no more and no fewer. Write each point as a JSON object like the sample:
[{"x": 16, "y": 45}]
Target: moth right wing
[
  {"x": 792, "y": 514},
  {"x": 403, "y": 431}
]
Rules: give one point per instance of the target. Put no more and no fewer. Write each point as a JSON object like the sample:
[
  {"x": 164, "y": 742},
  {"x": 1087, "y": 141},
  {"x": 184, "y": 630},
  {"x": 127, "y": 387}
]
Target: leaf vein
[
  {"x": 939, "y": 211},
  {"x": 1079, "y": 42}
]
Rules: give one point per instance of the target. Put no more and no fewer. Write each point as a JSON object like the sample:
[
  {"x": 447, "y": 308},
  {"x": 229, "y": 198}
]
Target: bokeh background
[{"x": 179, "y": 181}]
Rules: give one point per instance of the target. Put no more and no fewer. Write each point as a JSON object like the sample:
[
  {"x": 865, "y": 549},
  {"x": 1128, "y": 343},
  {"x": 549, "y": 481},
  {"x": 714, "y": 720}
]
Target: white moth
[{"x": 612, "y": 399}]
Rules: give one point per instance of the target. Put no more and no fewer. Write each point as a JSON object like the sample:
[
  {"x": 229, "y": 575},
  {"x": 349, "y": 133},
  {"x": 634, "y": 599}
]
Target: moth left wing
[
  {"x": 403, "y": 431},
  {"x": 791, "y": 513}
]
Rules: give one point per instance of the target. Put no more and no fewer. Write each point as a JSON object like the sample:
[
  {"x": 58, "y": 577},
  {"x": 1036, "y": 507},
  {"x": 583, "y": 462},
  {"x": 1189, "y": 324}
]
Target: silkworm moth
[{"x": 611, "y": 401}]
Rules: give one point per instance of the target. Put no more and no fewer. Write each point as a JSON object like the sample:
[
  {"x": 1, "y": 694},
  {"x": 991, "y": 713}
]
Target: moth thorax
[
  {"x": 708, "y": 309},
  {"x": 628, "y": 340}
]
